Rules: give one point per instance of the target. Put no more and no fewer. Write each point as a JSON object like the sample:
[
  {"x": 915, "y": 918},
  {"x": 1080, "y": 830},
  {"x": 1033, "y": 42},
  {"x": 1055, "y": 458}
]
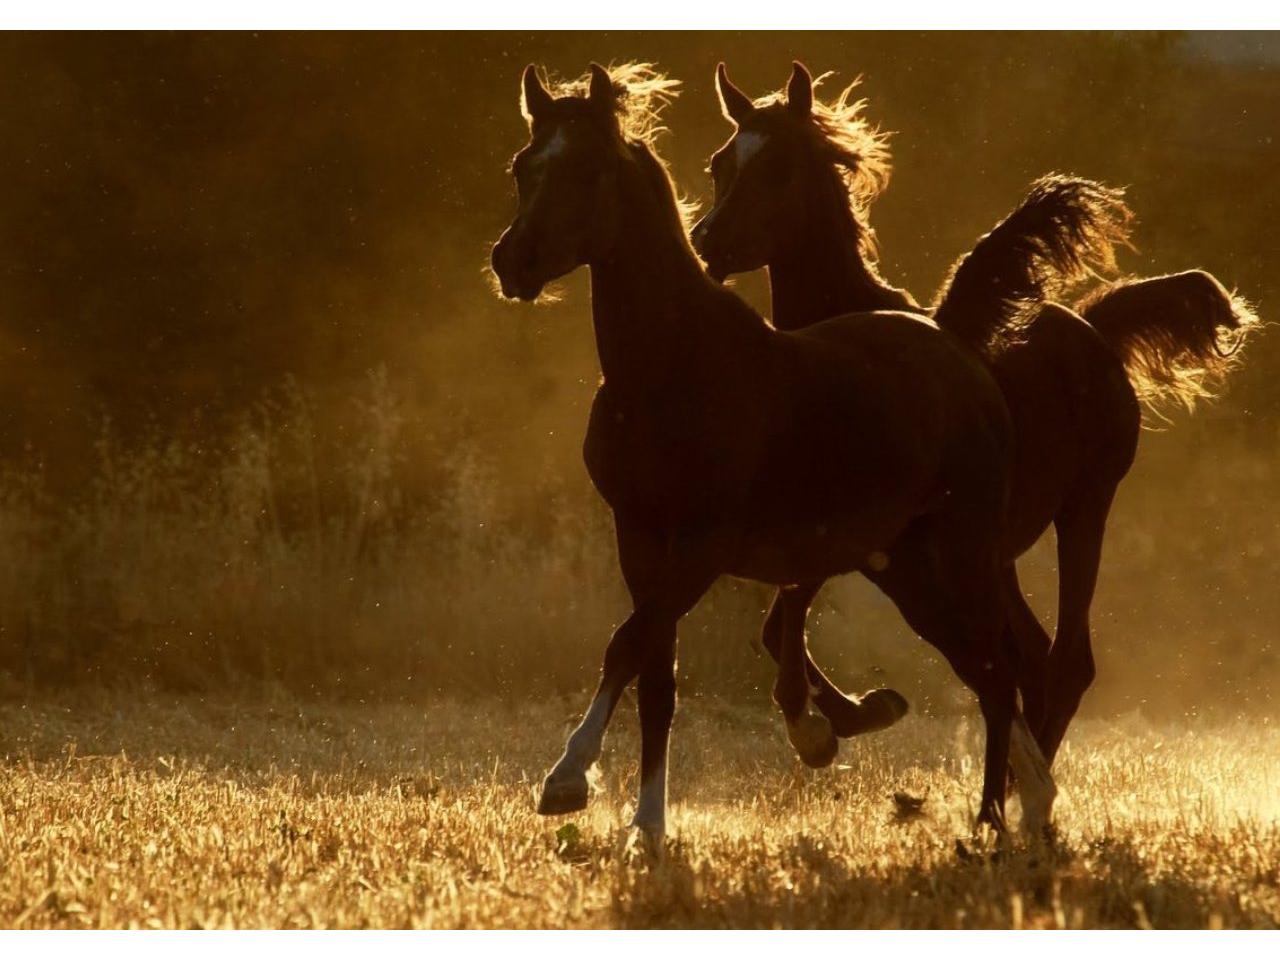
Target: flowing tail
[
  {"x": 1064, "y": 228},
  {"x": 1178, "y": 335}
]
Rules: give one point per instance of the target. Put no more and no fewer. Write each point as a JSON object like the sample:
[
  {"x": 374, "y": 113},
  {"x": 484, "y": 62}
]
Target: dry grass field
[{"x": 143, "y": 811}]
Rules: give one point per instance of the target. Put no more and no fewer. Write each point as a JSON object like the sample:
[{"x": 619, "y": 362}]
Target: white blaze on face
[
  {"x": 552, "y": 148},
  {"x": 746, "y": 145},
  {"x": 538, "y": 158}
]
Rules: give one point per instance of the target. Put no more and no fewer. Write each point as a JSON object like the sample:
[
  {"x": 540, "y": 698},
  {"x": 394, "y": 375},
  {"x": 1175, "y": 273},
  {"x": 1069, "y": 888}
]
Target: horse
[
  {"x": 724, "y": 446},
  {"x": 792, "y": 186}
]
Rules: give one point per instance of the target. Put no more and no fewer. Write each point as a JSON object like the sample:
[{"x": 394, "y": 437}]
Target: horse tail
[
  {"x": 1062, "y": 229},
  {"x": 1178, "y": 335}
]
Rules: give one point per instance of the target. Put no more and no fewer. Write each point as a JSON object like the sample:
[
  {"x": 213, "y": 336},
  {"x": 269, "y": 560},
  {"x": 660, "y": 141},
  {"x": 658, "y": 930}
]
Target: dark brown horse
[
  {"x": 791, "y": 189},
  {"x": 724, "y": 446}
]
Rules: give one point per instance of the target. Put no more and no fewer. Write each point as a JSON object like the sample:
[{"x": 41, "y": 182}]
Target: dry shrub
[{"x": 359, "y": 554}]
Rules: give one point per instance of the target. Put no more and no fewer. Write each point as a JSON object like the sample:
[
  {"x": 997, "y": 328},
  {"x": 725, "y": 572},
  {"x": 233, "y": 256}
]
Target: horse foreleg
[
  {"x": 656, "y": 696},
  {"x": 565, "y": 789},
  {"x": 644, "y": 645},
  {"x": 849, "y": 716},
  {"x": 809, "y": 731}
]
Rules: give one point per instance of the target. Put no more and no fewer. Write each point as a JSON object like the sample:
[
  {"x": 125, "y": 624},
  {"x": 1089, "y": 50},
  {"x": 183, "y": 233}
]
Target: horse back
[{"x": 928, "y": 418}]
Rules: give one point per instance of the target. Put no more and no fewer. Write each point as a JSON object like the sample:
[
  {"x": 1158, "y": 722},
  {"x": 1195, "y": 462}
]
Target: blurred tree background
[{"x": 250, "y": 351}]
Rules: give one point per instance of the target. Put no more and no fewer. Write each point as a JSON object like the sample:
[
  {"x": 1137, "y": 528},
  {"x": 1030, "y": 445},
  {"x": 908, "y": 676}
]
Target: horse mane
[
  {"x": 858, "y": 149},
  {"x": 1052, "y": 239},
  {"x": 642, "y": 93},
  {"x": 1178, "y": 335}
]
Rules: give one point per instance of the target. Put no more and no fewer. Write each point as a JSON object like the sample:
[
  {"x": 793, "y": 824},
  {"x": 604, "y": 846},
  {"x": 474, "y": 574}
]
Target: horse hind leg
[
  {"x": 1033, "y": 645},
  {"x": 1036, "y": 787},
  {"x": 1030, "y": 769},
  {"x": 983, "y": 656},
  {"x": 957, "y": 601},
  {"x": 1081, "y": 526}
]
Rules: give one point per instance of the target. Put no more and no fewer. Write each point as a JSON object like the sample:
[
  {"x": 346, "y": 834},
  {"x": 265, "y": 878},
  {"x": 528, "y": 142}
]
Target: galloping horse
[
  {"x": 791, "y": 189},
  {"x": 725, "y": 447}
]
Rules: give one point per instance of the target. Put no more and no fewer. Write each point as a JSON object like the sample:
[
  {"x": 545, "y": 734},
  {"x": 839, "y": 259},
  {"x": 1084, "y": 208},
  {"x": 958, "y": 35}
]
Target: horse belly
[{"x": 816, "y": 549}]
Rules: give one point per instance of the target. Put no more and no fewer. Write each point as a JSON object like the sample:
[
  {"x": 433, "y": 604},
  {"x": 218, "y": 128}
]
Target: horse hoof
[
  {"x": 874, "y": 710},
  {"x": 886, "y": 706},
  {"x": 648, "y": 839},
  {"x": 563, "y": 794},
  {"x": 814, "y": 739}
]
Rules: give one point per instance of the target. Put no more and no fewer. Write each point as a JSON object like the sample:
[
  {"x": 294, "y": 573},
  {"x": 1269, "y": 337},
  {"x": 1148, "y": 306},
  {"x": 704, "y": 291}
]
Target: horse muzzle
[
  {"x": 513, "y": 265},
  {"x": 709, "y": 251}
]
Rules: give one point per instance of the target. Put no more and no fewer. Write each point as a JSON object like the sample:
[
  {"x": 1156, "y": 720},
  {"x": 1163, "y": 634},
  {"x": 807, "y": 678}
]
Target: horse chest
[{"x": 650, "y": 457}]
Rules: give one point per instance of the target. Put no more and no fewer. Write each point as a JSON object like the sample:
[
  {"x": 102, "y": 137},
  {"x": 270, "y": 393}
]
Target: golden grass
[{"x": 125, "y": 811}]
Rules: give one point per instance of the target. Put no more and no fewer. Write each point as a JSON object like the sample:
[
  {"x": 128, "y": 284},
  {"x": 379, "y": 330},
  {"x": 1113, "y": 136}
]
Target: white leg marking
[
  {"x": 651, "y": 810},
  {"x": 1035, "y": 783},
  {"x": 583, "y": 748}
]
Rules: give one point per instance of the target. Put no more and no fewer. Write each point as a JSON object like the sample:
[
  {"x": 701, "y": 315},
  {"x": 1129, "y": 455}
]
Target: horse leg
[
  {"x": 995, "y": 674},
  {"x": 960, "y": 608},
  {"x": 645, "y": 646},
  {"x": 675, "y": 594},
  {"x": 656, "y": 696},
  {"x": 1033, "y": 645},
  {"x": 849, "y": 716},
  {"x": 1080, "y": 525},
  {"x": 661, "y": 595},
  {"x": 990, "y": 664},
  {"x": 809, "y": 732},
  {"x": 565, "y": 788}
]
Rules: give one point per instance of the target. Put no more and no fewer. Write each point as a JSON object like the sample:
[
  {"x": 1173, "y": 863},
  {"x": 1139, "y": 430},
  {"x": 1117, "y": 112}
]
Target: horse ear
[
  {"x": 800, "y": 90},
  {"x": 534, "y": 98},
  {"x": 601, "y": 91},
  {"x": 734, "y": 104}
]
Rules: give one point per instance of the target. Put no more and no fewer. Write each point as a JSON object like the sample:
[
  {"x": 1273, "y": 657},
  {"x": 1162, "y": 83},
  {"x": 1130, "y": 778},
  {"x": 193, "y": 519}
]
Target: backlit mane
[
  {"x": 859, "y": 149},
  {"x": 643, "y": 92}
]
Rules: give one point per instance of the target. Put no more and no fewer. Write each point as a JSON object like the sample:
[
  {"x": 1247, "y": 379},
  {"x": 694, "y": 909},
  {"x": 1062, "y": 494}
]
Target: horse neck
[
  {"x": 651, "y": 303},
  {"x": 822, "y": 270}
]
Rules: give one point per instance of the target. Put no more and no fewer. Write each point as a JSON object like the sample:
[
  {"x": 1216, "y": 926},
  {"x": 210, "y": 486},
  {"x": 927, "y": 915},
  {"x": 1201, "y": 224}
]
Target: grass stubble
[{"x": 146, "y": 811}]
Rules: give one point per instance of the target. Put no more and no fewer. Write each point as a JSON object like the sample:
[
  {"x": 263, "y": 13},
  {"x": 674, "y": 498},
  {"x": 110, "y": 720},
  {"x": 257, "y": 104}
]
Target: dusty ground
[{"x": 121, "y": 811}]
